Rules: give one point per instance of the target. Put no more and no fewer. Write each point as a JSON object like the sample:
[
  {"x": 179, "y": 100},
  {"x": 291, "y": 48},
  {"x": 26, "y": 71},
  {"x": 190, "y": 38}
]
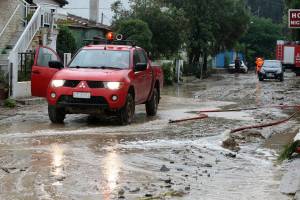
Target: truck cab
[{"x": 105, "y": 79}]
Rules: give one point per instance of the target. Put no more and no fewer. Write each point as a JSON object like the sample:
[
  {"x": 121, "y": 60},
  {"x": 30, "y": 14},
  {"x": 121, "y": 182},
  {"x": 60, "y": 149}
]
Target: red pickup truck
[{"x": 99, "y": 80}]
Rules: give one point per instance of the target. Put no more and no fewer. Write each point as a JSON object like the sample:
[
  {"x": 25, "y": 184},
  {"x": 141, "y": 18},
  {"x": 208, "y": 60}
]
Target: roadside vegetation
[
  {"x": 201, "y": 30},
  {"x": 66, "y": 42},
  {"x": 196, "y": 27}
]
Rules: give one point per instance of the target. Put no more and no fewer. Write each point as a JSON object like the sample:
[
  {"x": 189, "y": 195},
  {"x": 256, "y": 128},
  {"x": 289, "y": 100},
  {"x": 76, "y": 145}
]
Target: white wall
[{"x": 22, "y": 89}]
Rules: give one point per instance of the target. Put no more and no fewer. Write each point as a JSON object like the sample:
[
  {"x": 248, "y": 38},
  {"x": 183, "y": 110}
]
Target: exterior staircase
[
  {"x": 4, "y": 56},
  {"x": 22, "y": 36},
  {"x": 4, "y": 61}
]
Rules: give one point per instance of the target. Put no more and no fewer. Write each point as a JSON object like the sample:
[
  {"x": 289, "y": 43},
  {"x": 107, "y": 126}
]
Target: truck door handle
[{"x": 36, "y": 72}]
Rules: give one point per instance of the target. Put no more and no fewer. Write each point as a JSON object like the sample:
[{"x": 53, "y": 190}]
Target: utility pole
[{"x": 102, "y": 17}]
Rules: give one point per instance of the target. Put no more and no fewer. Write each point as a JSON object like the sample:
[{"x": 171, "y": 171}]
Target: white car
[{"x": 243, "y": 68}]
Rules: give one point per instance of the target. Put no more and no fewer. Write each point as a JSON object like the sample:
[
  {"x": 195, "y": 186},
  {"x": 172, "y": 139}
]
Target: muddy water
[{"x": 88, "y": 159}]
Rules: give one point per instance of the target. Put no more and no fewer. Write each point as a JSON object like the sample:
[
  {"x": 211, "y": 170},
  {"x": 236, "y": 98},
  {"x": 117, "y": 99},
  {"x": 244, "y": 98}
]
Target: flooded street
[{"x": 151, "y": 159}]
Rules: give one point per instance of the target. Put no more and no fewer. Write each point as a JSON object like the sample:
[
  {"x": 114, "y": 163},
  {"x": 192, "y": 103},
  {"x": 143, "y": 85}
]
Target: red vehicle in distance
[{"x": 105, "y": 79}]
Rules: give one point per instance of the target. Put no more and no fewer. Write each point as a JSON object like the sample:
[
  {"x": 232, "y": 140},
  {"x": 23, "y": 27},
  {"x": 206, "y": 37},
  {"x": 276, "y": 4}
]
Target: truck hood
[{"x": 91, "y": 74}]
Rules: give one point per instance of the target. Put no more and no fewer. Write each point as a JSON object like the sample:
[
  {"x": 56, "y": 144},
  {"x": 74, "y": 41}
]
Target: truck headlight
[
  {"x": 113, "y": 85},
  {"x": 57, "y": 83},
  {"x": 279, "y": 71}
]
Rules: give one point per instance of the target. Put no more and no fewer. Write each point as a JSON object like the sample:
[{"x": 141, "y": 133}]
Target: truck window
[
  {"x": 136, "y": 57},
  {"x": 101, "y": 58},
  {"x": 143, "y": 57},
  {"x": 46, "y": 55}
]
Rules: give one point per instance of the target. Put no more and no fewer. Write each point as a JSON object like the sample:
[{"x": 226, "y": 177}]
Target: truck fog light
[
  {"x": 53, "y": 95},
  {"x": 114, "y": 98}
]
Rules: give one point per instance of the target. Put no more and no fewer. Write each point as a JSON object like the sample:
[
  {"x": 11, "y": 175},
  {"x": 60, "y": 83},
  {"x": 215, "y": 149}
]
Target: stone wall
[{"x": 7, "y": 7}]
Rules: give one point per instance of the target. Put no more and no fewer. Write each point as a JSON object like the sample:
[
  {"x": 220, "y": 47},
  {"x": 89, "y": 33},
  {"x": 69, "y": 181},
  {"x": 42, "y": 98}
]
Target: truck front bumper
[{"x": 100, "y": 99}]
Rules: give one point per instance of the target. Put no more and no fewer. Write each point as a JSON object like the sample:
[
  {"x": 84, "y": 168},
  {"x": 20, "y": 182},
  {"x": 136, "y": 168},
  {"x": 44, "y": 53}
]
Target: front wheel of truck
[
  {"x": 152, "y": 104},
  {"x": 127, "y": 112},
  {"x": 56, "y": 115}
]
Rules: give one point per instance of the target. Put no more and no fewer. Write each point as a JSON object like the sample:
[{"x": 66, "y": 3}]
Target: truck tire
[
  {"x": 281, "y": 78},
  {"x": 127, "y": 112},
  {"x": 152, "y": 104},
  {"x": 56, "y": 115}
]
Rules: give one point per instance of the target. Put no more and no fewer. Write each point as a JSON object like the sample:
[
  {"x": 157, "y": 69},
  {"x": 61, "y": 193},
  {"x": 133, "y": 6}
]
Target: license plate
[
  {"x": 270, "y": 75},
  {"x": 81, "y": 95}
]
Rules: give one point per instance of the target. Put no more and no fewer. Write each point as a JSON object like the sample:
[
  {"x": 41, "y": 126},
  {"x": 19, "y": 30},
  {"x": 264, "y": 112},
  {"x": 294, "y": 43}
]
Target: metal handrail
[
  {"x": 29, "y": 32},
  {"x": 9, "y": 21}
]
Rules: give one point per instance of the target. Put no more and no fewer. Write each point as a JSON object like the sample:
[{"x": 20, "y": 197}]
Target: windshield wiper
[
  {"x": 107, "y": 67},
  {"x": 77, "y": 67}
]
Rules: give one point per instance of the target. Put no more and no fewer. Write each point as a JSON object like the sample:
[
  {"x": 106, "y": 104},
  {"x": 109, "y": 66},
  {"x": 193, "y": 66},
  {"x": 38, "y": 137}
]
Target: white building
[{"x": 24, "y": 25}]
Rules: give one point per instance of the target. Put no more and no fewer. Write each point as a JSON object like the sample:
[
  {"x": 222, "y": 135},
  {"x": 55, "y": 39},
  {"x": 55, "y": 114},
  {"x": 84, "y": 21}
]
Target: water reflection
[
  {"x": 57, "y": 159},
  {"x": 112, "y": 167},
  {"x": 258, "y": 93}
]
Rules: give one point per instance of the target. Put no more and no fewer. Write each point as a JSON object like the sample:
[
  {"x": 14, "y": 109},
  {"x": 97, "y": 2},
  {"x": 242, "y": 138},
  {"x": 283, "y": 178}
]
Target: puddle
[{"x": 83, "y": 160}]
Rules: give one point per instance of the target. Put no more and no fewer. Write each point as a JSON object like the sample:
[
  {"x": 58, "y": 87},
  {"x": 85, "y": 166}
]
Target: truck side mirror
[
  {"x": 55, "y": 64},
  {"x": 140, "y": 67}
]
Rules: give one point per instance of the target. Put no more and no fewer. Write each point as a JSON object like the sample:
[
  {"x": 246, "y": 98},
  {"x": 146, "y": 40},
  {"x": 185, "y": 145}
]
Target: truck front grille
[
  {"x": 95, "y": 84},
  {"x": 71, "y": 83},
  {"x": 69, "y": 100}
]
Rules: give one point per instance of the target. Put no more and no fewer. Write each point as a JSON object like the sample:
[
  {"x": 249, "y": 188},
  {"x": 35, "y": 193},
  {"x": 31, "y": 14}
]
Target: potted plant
[{"x": 4, "y": 85}]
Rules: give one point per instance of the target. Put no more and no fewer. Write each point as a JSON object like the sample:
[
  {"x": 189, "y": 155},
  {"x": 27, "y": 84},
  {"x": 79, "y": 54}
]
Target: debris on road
[
  {"x": 231, "y": 144},
  {"x": 164, "y": 169}
]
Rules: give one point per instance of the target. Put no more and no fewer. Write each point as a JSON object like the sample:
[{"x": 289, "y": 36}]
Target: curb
[{"x": 31, "y": 101}]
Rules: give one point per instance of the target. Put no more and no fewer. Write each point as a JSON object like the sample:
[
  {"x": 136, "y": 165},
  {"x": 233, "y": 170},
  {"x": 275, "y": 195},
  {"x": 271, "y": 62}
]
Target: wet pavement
[{"x": 152, "y": 159}]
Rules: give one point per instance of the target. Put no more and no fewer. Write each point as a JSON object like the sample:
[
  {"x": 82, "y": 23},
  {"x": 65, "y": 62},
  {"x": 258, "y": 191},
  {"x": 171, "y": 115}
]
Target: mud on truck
[{"x": 104, "y": 79}]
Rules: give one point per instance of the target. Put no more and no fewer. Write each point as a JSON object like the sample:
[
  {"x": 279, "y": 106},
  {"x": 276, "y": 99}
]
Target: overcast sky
[{"x": 81, "y": 8}]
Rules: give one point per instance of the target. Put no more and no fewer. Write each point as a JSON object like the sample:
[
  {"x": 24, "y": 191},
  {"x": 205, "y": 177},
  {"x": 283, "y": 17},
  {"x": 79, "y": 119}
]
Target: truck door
[
  {"x": 289, "y": 55},
  {"x": 147, "y": 81},
  {"x": 297, "y": 56},
  {"x": 139, "y": 79},
  {"x": 41, "y": 73}
]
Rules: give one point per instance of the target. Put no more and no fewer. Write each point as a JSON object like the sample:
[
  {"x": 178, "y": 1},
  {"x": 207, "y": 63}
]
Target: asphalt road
[{"x": 152, "y": 159}]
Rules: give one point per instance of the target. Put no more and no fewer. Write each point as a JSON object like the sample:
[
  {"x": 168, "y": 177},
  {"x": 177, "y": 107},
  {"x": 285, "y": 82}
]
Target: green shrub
[
  {"x": 10, "y": 103},
  {"x": 288, "y": 151},
  {"x": 169, "y": 75},
  {"x": 66, "y": 42},
  {"x": 3, "y": 51}
]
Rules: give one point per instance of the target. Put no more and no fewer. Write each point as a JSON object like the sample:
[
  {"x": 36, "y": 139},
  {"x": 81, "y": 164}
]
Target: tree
[
  {"x": 261, "y": 37},
  {"x": 213, "y": 26},
  {"x": 273, "y": 9},
  {"x": 165, "y": 24},
  {"x": 136, "y": 30},
  {"x": 66, "y": 42},
  {"x": 166, "y": 39},
  {"x": 203, "y": 27}
]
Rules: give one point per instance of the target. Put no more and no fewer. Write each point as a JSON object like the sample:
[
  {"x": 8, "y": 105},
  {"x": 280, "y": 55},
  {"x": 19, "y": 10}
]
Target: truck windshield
[{"x": 101, "y": 59}]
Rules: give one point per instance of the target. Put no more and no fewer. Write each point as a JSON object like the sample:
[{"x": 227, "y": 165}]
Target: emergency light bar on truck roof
[{"x": 110, "y": 39}]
